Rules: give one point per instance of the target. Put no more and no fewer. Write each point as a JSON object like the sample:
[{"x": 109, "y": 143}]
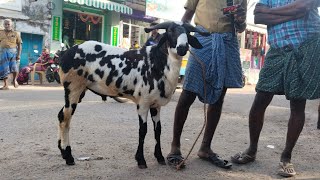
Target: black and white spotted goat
[{"x": 147, "y": 76}]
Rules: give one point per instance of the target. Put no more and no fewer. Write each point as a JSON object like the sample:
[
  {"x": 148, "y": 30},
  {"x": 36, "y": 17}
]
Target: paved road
[{"x": 109, "y": 130}]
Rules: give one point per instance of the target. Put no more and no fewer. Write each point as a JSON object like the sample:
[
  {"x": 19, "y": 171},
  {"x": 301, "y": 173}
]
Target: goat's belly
[
  {"x": 160, "y": 102},
  {"x": 103, "y": 89}
]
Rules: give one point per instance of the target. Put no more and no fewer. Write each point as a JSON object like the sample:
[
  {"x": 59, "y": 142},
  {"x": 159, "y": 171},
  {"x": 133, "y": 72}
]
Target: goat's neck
[{"x": 174, "y": 62}]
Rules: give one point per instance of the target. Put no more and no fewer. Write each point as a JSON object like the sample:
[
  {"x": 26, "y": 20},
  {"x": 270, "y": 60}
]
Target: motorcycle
[{"x": 52, "y": 71}]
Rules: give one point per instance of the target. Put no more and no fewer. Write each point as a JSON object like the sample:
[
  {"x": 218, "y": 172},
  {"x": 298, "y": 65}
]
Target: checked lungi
[
  {"x": 293, "y": 72},
  {"x": 8, "y": 63},
  {"x": 221, "y": 58}
]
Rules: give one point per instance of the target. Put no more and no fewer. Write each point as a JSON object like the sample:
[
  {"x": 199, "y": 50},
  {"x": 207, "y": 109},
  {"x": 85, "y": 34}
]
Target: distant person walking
[
  {"x": 10, "y": 51},
  {"x": 155, "y": 36}
]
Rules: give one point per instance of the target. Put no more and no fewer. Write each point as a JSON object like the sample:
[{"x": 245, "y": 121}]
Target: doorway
[{"x": 31, "y": 48}]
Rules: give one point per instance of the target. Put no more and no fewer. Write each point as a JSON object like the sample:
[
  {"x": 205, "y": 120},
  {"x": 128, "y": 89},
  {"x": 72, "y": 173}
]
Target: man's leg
[
  {"x": 256, "y": 119},
  {"x": 182, "y": 109},
  {"x": 14, "y": 68},
  {"x": 186, "y": 99},
  {"x": 5, "y": 84},
  {"x": 14, "y": 79},
  {"x": 295, "y": 126},
  {"x": 213, "y": 117}
]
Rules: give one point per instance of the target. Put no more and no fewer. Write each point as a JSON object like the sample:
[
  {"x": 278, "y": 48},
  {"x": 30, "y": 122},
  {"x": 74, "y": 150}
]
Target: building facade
[
  {"x": 32, "y": 20},
  {"x": 76, "y": 21}
]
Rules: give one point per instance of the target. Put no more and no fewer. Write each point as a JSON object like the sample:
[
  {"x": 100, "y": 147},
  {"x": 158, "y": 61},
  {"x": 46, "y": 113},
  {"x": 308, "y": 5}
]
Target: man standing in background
[
  {"x": 155, "y": 36},
  {"x": 10, "y": 51}
]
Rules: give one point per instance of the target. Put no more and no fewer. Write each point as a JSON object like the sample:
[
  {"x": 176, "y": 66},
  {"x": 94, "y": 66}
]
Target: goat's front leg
[
  {"x": 143, "y": 113},
  {"x": 155, "y": 115}
]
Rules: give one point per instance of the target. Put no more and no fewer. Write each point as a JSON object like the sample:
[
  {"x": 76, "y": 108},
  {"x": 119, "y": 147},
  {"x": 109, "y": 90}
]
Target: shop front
[
  {"x": 252, "y": 51},
  {"x": 131, "y": 29},
  {"x": 78, "y": 27},
  {"x": 82, "y": 20}
]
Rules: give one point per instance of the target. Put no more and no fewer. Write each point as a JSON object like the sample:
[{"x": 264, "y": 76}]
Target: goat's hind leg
[
  {"x": 72, "y": 95},
  {"x": 155, "y": 115},
  {"x": 143, "y": 113}
]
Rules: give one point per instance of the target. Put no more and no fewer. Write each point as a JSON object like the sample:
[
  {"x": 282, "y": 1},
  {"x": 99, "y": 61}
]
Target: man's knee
[{"x": 186, "y": 98}]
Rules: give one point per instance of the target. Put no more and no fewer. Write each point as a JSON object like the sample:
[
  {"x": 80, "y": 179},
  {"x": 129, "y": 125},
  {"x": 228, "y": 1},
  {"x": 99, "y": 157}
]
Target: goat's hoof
[
  {"x": 162, "y": 162},
  {"x": 143, "y": 166},
  {"x": 70, "y": 163}
]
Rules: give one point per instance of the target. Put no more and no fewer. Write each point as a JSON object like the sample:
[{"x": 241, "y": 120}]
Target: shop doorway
[
  {"x": 132, "y": 36},
  {"x": 79, "y": 27}
]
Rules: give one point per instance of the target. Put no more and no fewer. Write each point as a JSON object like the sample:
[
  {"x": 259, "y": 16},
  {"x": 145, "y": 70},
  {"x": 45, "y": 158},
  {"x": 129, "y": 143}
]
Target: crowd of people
[{"x": 291, "y": 68}]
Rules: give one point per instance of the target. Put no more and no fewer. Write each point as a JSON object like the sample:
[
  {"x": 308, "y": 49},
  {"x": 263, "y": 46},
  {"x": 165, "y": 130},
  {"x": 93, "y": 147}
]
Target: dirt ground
[{"x": 107, "y": 132}]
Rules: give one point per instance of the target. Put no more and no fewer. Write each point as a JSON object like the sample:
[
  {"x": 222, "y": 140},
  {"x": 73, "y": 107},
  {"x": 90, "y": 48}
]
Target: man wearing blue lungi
[
  {"x": 222, "y": 67},
  {"x": 10, "y": 50}
]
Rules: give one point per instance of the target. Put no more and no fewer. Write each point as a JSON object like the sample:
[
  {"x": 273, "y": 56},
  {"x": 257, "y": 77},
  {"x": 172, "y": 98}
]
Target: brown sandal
[{"x": 286, "y": 170}]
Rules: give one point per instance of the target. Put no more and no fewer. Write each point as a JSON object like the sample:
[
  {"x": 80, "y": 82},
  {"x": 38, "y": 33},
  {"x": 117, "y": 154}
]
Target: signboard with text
[
  {"x": 56, "y": 28},
  {"x": 114, "y": 35}
]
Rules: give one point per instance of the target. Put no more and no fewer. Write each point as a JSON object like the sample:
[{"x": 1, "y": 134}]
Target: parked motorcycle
[{"x": 52, "y": 71}]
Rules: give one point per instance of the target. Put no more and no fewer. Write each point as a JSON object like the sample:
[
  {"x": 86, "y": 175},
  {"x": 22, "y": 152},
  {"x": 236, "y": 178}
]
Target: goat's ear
[
  {"x": 162, "y": 40},
  {"x": 194, "y": 42}
]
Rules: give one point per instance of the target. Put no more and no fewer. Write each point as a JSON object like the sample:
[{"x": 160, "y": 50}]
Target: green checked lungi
[{"x": 294, "y": 73}]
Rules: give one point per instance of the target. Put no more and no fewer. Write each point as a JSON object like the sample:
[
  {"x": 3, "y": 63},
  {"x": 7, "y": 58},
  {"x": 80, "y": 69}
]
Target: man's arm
[
  {"x": 187, "y": 16},
  {"x": 240, "y": 17},
  {"x": 296, "y": 7},
  {"x": 271, "y": 19},
  {"x": 190, "y": 8},
  {"x": 19, "y": 47}
]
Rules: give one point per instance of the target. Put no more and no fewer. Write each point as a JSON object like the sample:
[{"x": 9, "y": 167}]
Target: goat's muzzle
[{"x": 182, "y": 50}]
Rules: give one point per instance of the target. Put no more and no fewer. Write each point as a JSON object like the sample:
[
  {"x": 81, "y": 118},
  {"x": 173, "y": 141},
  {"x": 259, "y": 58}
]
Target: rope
[{"x": 204, "y": 109}]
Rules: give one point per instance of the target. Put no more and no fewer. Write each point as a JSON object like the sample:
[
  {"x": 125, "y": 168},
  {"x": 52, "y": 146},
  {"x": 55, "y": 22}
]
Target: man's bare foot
[{"x": 4, "y": 88}]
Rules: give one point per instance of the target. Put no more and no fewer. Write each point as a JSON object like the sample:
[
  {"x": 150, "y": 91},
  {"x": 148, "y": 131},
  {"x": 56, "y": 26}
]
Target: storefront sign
[
  {"x": 11, "y": 4},
  {"x": 56, "y": 28},
  {"x": 114, "y": 35}
]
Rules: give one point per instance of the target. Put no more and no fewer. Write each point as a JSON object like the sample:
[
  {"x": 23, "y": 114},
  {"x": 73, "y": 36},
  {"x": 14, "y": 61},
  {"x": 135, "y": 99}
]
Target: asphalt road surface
[{"x": 107, "y": 134}]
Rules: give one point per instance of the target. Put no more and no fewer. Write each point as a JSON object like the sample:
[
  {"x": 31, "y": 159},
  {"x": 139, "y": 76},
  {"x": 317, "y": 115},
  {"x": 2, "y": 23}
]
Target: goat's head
[{"x": 178, "y": 36}]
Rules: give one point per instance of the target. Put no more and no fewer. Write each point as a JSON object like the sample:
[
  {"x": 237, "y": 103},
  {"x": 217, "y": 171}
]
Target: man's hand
[
  {"x": 240, "y": 16},
  {"x": 18, "y": 58}
]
